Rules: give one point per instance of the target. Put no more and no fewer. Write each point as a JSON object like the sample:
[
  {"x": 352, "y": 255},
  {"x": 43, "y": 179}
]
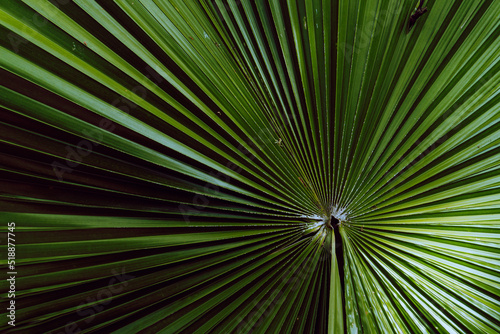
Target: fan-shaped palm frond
[{"x": 220, "y": 166}]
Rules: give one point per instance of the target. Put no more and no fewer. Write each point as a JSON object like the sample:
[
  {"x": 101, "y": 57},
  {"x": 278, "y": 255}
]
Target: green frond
[{"x": 264, "y": 166}]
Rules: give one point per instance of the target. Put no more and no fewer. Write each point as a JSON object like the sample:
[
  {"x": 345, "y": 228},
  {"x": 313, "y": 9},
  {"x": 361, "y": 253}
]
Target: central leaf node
[{"x": 332, "y": 222}]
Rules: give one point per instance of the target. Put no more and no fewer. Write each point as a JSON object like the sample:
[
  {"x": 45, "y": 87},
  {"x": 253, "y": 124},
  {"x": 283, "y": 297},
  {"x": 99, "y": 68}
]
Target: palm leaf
[{"x": 251, "y": 166}]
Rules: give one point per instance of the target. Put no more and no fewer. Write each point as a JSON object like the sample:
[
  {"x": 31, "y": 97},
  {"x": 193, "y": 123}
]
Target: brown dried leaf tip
[{"x": 414, "y": 17}]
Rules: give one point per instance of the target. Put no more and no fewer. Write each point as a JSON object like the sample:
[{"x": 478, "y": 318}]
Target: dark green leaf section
[{"x": 173, "y": 166}]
